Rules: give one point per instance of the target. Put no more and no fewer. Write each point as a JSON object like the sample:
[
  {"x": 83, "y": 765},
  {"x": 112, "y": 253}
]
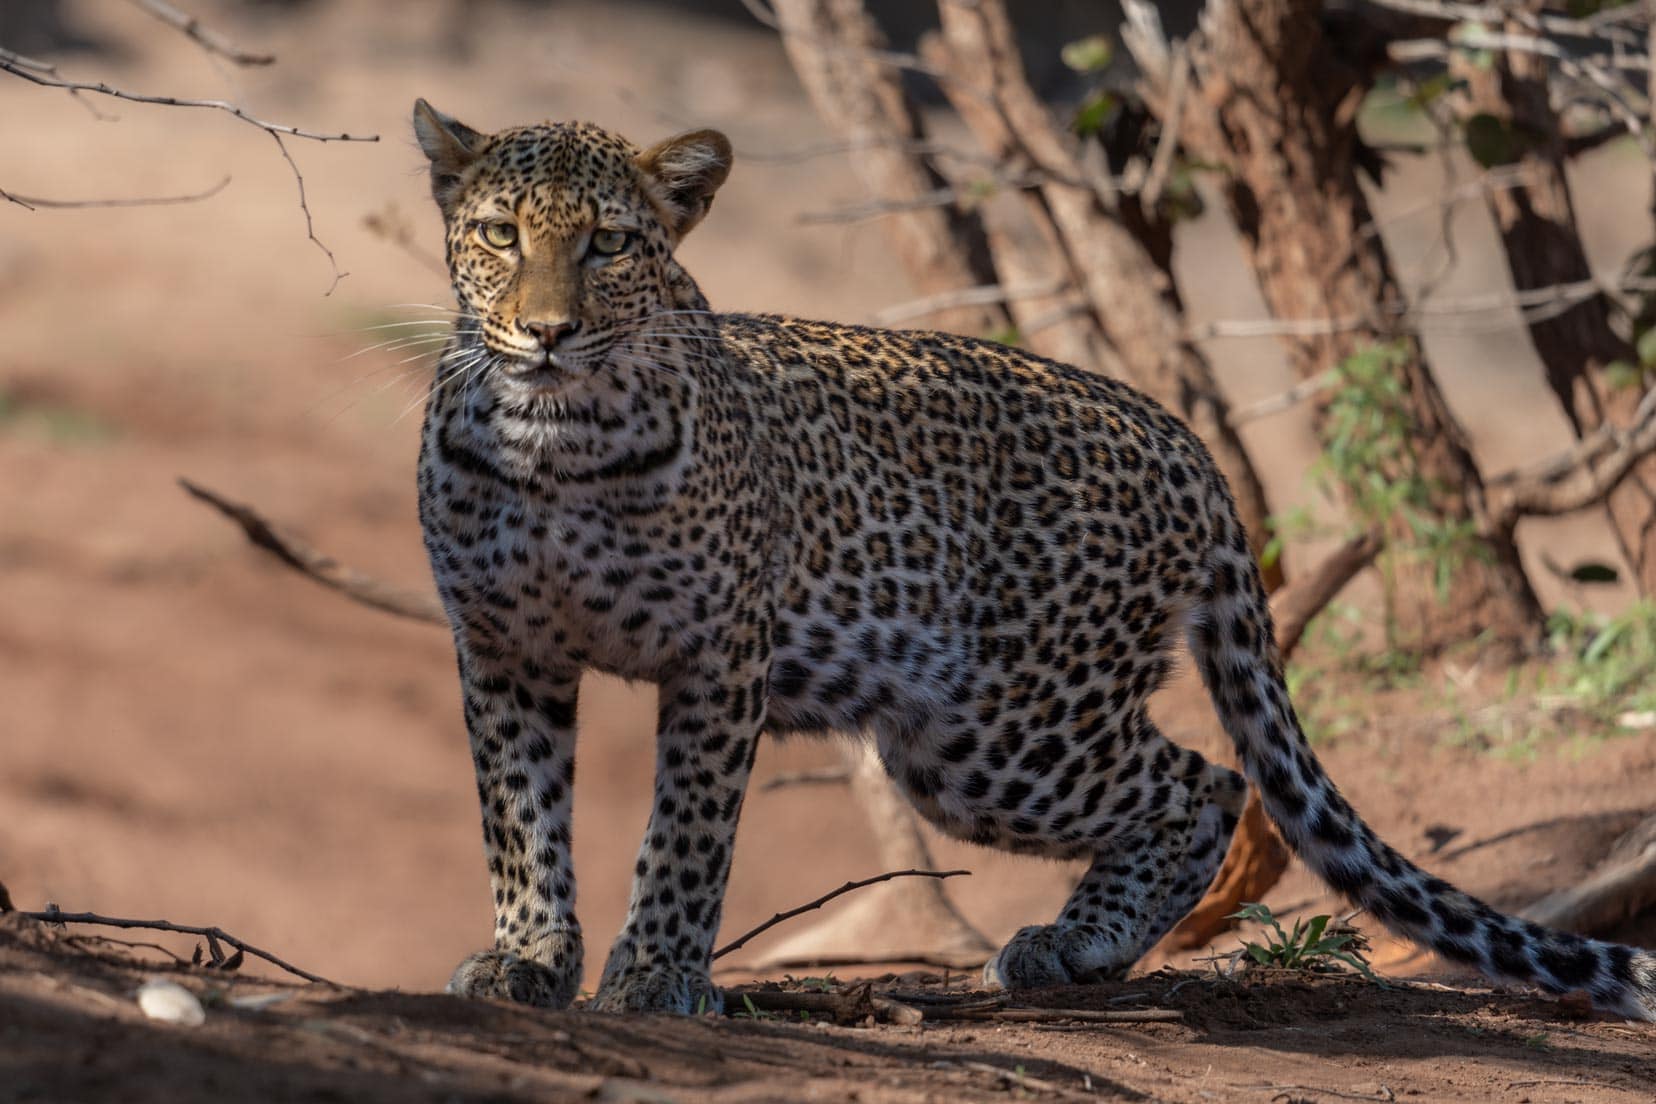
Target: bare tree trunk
[
  {"x": 1537, "y": 222},
  {"x": 1132, "y": 300},
  {"x": 1271, "y": 102},
  {"x": 833, "y": 46}
]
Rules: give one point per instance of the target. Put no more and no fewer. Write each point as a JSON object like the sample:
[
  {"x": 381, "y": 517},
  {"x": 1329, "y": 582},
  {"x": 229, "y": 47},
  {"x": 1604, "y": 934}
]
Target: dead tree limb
[
  {"x": 1585, "y": 474},
  {"x": 319, "y": 566},
  {"x": 213, "y": 935},
  {"x": 741, "y": 941},
  {"x": 1620, "y": 888},
  {"x": 1305, "y": 596}
]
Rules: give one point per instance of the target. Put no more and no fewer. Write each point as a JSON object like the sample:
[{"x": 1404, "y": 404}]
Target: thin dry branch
[
  {"x": 1284, "y": 400},
  {"x": 1584, "y": 474},
  {"x": 39, "y": 73},
  {"x": 36, "y": 72},
  {"x": 319, "y": 566},
  {"x": 968, "y": 297},
  {"x": 213, "y": 935},
  {"x": 33, "y": 202},
  {"x": 830, "y": 776},
  {"x": 205, "y": 37},
  {"x": 304, "y": 207},
  {"x": 390, "y": 225},
  {"x": 742, "y": 940}
]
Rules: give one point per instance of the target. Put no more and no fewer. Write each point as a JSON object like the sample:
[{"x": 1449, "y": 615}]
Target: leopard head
[{"x": 560, "y": 237}]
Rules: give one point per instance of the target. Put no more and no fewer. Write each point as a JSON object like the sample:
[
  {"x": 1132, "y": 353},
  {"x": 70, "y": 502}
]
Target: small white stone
[{"x": 169, "y": 1001}]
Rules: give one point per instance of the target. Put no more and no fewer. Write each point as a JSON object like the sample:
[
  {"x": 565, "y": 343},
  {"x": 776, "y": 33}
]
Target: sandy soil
[{"x": 191, "y": 732}]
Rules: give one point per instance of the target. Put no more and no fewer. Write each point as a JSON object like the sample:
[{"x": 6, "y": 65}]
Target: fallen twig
[
  {"x": 834, "y": 962},
  {"x": 847, "y": 1005},
  {"x": 213, "y": 935},
  {"x": 1017, "y": 1078},
  {"x": 319, "y": 566},
  {"x": 742, "y": 940},
  {"x": 1044, "y": 1015}
]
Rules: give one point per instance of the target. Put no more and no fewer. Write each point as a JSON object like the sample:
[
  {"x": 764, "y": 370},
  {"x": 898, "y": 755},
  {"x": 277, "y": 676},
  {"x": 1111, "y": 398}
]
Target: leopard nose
[{"x": 552, "y": 332}]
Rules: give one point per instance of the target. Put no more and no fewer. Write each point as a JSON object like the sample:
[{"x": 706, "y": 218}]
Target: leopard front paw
[
  {"x": 631, "y": 984},
  {"x": 505, "y": 975}
]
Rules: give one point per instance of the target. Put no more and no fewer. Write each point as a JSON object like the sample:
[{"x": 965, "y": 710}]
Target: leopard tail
[{"x": 1231, "y": 637}]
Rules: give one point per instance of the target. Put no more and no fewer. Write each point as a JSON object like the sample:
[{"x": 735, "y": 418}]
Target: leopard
[{"x": 980, "y": 560}]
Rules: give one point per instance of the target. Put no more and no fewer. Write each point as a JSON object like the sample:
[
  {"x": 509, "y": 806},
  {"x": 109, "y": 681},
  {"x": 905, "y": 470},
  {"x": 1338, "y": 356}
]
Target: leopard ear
[
  {"x": 681, "y": 175},
  {"x": 451, "y": 145}
]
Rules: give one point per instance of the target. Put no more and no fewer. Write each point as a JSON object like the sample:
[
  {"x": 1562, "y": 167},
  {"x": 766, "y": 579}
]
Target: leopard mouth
[{"x": 540, "y": 370}]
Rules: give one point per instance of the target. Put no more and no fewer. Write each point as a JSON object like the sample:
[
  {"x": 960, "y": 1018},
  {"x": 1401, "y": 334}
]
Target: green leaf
[
  {"x": 1619, "y": 374},
  {"x": 1088, "y": 55},
  {"x": 1093, "y": 113},
  {"x": 1491, "y": 141},
  {"x": 1647, "y": 348},
  {"x": 1431, "y": 89},
  {"x": 1260, "y": 954}
]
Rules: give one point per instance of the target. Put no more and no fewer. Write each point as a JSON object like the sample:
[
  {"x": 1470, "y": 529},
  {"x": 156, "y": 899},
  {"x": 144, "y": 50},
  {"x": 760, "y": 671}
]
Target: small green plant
[
  {"x": 1309, "y": 946},
  {"x": 752, "y": 1011},
  {"x": 826, "y": 984},
  {"x": 1607, "y": 665}
]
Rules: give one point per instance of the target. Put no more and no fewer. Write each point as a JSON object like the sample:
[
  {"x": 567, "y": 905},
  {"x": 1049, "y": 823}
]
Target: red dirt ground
[{"x": 191, "y": 732}]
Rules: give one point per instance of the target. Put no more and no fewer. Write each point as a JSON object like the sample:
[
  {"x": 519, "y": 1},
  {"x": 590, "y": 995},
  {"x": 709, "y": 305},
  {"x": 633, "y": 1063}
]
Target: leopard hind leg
[{"x": 1142, "y": 880}]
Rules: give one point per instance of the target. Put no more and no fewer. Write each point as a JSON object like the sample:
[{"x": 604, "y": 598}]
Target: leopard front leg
[
  {"x": 709, "y": 730},
  {"x": 521, "y": 719}
]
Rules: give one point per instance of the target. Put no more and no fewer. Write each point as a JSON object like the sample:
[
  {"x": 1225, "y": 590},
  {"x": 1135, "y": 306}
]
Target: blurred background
[{"x": 190, "y": 730}]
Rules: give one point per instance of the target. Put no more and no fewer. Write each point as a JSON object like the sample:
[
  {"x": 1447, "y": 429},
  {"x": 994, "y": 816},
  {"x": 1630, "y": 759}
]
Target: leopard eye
[
  {"x": 500, "y": 235},
  {"x": 607, "y": 243}
]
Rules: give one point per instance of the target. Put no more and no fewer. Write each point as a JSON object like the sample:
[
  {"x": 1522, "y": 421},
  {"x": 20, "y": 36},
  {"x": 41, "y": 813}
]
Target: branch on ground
[
  {"x": 856, "y": 1002},
  {"x": 319, "y": 566},
  {"x": 1620, "y": 888},
  {"x": 214, "y": 936}
]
